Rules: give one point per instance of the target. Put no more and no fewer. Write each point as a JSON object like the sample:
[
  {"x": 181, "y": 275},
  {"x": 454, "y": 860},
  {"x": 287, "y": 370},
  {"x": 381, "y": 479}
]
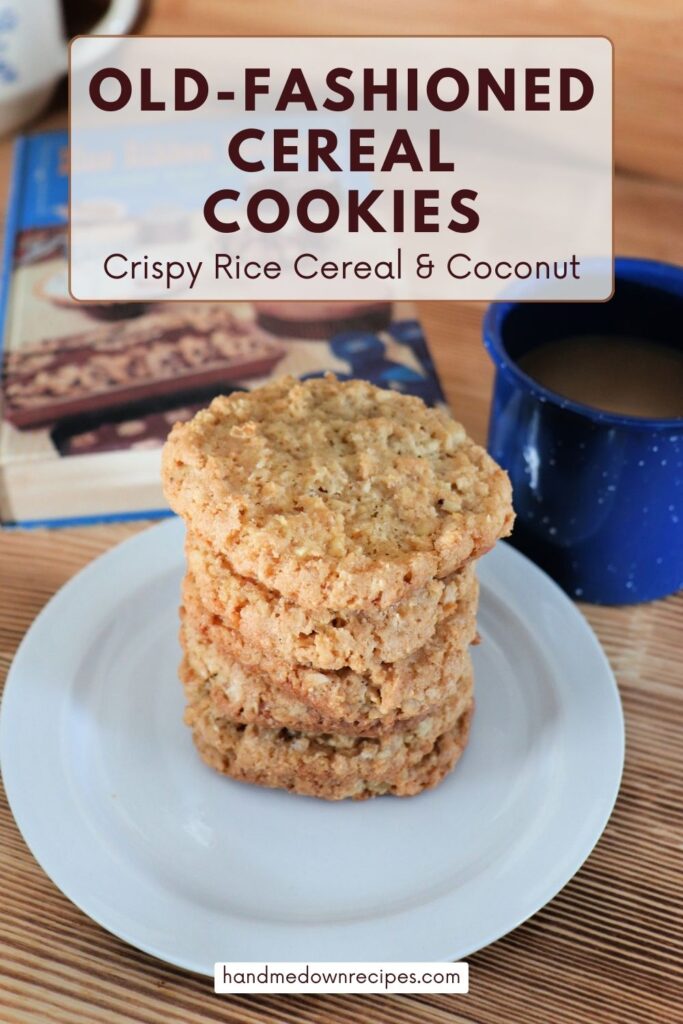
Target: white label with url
[{"x": 372, "y": 978}]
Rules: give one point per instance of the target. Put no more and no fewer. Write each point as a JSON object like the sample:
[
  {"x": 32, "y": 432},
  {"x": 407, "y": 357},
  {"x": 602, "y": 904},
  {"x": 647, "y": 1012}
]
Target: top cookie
[{"x": 341, "y": 495}]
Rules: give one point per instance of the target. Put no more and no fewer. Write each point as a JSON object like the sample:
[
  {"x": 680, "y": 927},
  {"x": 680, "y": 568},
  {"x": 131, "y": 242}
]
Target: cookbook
[{"x": 90, "y": 390}]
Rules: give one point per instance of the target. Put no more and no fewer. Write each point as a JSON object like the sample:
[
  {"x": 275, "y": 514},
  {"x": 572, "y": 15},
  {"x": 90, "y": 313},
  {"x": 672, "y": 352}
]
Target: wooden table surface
[{"x": 608, "y": 948}]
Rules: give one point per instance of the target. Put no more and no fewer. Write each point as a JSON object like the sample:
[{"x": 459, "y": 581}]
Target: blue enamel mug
[{"x": 598, "y": 495}]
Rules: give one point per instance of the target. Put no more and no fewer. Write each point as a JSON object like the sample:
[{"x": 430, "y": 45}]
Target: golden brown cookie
[
  {"x": 336, "y": 494},
  {"x": 247, "y": 695},
  {"x": 330, "y": 766},
  {"x": 324, "y": 639},
  {"x": 392, "y": 691}
]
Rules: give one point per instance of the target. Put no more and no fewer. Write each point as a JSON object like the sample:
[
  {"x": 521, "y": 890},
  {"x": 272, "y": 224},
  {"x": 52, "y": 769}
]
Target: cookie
[
  {"x": 247, "y": 695},
  {"x": 392, "y": 691},
  {"x": 324, "y": 639},
  {"x": 338, "y": 495},
  {"x": 330, "y": 766}
]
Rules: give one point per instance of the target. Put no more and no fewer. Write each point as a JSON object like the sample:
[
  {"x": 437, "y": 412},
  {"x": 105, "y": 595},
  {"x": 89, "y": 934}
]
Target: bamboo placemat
[{"x": 608, "y": 948}]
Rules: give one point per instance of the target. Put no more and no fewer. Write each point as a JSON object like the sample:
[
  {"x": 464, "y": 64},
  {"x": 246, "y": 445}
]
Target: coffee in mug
[{"x": 632, "y": 376}]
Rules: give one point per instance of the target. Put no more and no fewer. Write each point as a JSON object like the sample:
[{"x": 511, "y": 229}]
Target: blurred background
[
  {"x": 605, "y": 949},
  {"x": 648, "y": 43},
  {"x": 648, "y": 47},
  {"x": 647, "y": 38},
  {"x": 45, "y": 329}
]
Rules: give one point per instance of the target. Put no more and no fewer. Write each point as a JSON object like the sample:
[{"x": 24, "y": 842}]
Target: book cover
[{"x": 90, "y": 390}]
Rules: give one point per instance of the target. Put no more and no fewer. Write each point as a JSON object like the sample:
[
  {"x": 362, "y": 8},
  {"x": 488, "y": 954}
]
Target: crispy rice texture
[
  {"x": 338, "y": 495},
  {"x": 330, "y": 766},
  {"x": 247, "y": 696},
  {"x": 323, "y": 638},
  {"x": 370, "y": 701}
]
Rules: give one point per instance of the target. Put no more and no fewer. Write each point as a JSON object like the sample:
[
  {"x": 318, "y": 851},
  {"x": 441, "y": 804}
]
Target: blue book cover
[{"x": 90, "y": 390}]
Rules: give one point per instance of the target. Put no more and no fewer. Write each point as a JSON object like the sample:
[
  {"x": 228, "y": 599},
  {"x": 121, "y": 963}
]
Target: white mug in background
[{"x": 34, "y": 52}]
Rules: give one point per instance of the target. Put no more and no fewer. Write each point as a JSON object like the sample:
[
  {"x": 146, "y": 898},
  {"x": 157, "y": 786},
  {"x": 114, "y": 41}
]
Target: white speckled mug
[{"x": 34, "y": 54}]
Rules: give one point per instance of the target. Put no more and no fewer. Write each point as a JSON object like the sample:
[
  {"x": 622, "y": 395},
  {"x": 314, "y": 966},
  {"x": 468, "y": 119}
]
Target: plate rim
[{"x": 48, "y": 856}]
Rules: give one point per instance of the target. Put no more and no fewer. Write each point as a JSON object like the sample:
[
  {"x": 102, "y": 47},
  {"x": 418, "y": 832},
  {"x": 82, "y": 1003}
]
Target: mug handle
[
  {"x": 119, "y": 18},
  {"x": 117, "y": 21}
]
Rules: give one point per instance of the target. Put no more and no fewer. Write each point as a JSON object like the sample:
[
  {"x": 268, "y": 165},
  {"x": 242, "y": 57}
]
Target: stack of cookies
[{"x": 330, "y": 597}]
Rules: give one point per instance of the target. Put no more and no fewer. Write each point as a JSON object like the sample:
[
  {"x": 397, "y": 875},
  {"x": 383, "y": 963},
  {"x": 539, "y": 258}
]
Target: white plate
[{"x": 111, "y": 798}]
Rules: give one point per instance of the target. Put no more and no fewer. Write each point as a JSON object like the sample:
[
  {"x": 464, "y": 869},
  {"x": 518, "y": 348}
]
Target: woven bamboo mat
[{"x": 608, "y": 948}]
